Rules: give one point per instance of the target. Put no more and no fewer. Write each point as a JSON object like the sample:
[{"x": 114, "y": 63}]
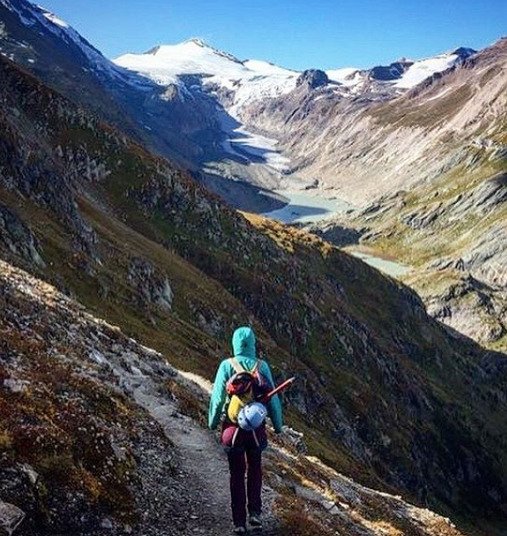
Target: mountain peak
[
  {"x": 198, "y": 41},
  {"x": 195, "y": 47},
  {"x": 194, "y": 41},
  {"x": 464, "y": 52},
  {"x": 314, "y": 78}
]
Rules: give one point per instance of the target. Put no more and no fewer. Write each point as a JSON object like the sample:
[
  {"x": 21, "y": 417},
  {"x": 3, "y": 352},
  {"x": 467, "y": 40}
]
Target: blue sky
[{"x": 293, "y": 33}]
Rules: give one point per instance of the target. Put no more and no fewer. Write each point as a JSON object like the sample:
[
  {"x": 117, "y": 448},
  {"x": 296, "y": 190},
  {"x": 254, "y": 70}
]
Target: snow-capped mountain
[
  {"x": 211, "y": 111},
  {"x": 419, "y": 71},
  {"x": 248, "y": 81},
  {"x": 51, "y": 49},
  {"x": 240, "y": 90},
  {"x": 402, "y": 74},
  {"x": 42, "y": 21},
  {"x": 251, "y": 81}
]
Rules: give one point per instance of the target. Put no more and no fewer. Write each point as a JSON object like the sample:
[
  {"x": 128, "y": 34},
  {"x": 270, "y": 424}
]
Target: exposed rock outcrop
[
  {"x": 471, "y": 307},
  {"x": 152, "y": 287},
  {"x": 390, "y": 72},
  {"x": 10, "y": 518},
  {"x": 17, "y": 239},
  {"x": 335, "y": 233},
  {"x": 313, "y": 78}
]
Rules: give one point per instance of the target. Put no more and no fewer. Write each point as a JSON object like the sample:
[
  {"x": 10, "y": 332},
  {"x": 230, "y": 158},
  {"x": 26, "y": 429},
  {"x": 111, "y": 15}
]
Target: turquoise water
[
  {"x": 392, "y": 268},
  {"x": 306, "y": 208}
]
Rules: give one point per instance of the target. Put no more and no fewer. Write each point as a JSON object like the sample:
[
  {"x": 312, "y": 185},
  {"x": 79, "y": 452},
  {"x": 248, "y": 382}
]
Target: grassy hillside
[
  {"x": 99, "y": 434},
  {"x": 385, "y": 393}
]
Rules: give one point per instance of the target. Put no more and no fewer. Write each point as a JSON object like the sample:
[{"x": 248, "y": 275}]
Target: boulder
[
  {"x": 10, "y": 518},
  {"x": 16, "y": 386}
]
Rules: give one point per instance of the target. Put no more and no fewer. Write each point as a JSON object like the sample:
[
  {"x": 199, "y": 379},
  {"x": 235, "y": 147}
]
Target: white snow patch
[
  {"x": 420, "y": 70},
  {"x": 266, "y": 68},
  {"x": 54, "y": 19},
  {"x": 347, "y": 76},
  {"x": 255, "y": 147},
  {"x": 320, "y": 97}
]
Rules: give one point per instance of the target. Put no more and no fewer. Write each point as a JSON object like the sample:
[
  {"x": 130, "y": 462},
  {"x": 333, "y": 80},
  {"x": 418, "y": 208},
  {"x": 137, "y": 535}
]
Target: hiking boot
[
  {"x": 239, "y": 530},
  {"x": 255, "y": 522}
]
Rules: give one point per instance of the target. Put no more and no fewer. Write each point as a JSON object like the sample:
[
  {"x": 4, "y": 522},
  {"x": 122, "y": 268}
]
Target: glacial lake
[
  {"x": 303, "y": 207},
  {"x": 392, "y": 268},
  {"x": 306, "y": 208}
]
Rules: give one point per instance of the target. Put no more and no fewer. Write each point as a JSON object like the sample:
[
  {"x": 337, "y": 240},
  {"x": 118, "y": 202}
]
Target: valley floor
[
  {"x": 307, "y": 209},
  {"x": 304, "y": 208}
]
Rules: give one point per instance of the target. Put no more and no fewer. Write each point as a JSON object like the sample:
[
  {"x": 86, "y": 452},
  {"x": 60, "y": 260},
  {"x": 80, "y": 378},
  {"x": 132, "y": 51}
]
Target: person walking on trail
[{"x": 238, "y": 383}]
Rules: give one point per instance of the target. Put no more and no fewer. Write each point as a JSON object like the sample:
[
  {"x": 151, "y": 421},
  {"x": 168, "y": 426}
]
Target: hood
[{"x": 243, "y": 342}]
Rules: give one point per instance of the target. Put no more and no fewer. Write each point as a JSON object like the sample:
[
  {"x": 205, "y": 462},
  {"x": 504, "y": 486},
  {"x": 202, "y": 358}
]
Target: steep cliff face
[
  {"x": 453, "y": 232},
  {"x": 385, "y": 393}
]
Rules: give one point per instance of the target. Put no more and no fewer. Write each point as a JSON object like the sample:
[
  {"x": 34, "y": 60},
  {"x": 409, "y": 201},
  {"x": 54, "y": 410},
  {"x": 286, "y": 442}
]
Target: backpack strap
[
  {"x": 257, "y": 366},
  {"x": 236, "y": 365}
]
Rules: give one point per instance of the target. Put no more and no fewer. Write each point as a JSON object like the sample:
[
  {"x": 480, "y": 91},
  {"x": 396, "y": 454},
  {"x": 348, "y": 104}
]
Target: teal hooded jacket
[{"x": 243, "y": 345}]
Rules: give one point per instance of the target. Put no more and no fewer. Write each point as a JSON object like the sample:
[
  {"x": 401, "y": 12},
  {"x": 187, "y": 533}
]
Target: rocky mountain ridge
[
  {"x": 190, "y": 102},
  {"x": 448, "y": 221},
  {"x": 92, "y": 204},
  {"x": 254, "y": 97}
]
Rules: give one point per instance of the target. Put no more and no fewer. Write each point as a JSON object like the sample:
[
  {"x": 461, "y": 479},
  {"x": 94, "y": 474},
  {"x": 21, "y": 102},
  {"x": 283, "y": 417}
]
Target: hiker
[{"x": 244, "y": 446}]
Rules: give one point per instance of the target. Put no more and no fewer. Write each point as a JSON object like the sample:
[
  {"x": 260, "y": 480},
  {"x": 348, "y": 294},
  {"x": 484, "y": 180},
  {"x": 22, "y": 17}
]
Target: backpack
[{"x": 244, "y": 387}]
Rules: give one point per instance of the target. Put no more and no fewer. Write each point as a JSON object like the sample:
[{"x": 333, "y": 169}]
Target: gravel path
[{"x": 201, "y": 464}]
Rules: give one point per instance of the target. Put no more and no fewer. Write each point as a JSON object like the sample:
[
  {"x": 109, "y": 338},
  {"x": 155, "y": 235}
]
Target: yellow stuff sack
[{"x": 236, "y": 403}]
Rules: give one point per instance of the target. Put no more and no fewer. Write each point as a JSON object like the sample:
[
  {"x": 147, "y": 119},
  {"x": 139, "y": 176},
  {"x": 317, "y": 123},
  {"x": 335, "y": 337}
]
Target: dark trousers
[
  {"x": 244, "y": 452},
  {"x": 249, "y": 462}
]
